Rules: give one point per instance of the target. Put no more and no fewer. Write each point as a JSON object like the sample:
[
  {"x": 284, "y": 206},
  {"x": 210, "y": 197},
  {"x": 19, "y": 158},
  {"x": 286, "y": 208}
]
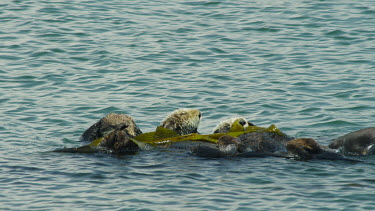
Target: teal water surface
[{"x": 305, "y": 66}]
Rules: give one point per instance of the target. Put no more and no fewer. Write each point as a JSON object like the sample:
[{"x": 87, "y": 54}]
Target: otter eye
[
  {"x": 200, "y": 115},
  {"x": 123, "y": 127},
  {"x": 242, "y": 122}
]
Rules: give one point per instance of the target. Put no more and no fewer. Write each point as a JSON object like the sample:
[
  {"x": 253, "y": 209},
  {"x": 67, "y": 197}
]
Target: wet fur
[
  {"x": 224, "y": 126},
  {"x": 183, "y": 121}
]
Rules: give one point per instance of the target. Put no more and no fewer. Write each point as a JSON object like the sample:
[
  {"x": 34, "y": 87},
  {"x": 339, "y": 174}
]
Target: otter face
[
  {"x": 303, "y": 148},
  {"x": 108, "y": 124},
  {"x": 183, "y": 121},
  {"x": 224, "y": 126}
]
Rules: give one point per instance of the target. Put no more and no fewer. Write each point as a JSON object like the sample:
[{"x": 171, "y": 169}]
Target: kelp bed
[{"x": 164, "y": 137}]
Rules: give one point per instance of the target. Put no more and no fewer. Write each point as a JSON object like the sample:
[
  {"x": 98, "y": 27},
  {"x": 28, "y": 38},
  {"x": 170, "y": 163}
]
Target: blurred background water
[{"x": 305, "y": 66}]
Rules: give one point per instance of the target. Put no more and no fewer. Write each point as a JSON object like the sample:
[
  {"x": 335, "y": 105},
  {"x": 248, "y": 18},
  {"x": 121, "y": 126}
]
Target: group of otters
[{"x": 118, "y": 134}]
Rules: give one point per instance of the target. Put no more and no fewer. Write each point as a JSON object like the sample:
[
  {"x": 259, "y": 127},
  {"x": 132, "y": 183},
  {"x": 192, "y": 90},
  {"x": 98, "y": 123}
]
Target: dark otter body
[
  {"x": 308, "y": 148},
  {"x": 252, "y": 144},
  {"x": 114, "y": 133},
  {"x": 263, "y": 142},
  {"x": 116, "y": 142},
  {"x": 360, "y": 142},
  {"x": 226, "y": 146}
]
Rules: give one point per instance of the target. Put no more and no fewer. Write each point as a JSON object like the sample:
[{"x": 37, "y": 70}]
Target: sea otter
[
  {"x": 224, "y": 126},
  {"x": 108, "y": 124},
  {"x": 183, "y": 121},
  {"x": 360, "y": 142},
  {"x": 248, "y": 144},
  {"x": 115, "y": 133},
  {"x": 308, "y": 148},
  {"x": 116, "y": 142}
]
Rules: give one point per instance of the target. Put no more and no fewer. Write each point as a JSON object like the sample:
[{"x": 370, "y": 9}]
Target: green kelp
[
  {"x": 164, "y": 136},
  {"x": 236, "y": 127},
  {"x": 235, "y": 131},
  {"x": 96, "y": 142},
  {"x": 89, "y": 148}
]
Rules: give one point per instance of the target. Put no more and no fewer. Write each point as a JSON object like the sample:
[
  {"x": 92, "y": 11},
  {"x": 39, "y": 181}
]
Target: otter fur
[
  {"x": 224, "y": 126},
  {"x": 183, "y": 121},
  {"x": 226, "y": 147},
  {"x": 308, "y": 148},
  {"x": 108, "y": 124},
  {"x": 360, "y": 142}
]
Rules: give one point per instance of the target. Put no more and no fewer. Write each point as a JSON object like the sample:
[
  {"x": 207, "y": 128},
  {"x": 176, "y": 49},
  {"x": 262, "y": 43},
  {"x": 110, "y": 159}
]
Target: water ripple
[{"x": 305, "y": 66}]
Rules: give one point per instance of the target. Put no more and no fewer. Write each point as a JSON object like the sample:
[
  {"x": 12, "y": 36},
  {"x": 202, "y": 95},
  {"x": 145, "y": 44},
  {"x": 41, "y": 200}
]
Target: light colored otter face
[
  {"x": 183, "y": 121},
  {"x": 224, "y": 126}
]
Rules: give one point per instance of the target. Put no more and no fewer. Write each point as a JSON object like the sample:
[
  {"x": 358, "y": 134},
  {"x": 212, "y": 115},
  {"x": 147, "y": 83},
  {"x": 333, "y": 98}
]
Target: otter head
[
  {"x": 183, "y": 121},
  {"x": 224, "y": 126},
  {"x": 108, "y": 124},
  {"x": 303, "y": 148}
]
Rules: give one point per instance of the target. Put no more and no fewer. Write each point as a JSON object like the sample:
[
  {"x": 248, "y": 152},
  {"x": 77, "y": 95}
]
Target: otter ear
[{"x": 250, "y": 124}]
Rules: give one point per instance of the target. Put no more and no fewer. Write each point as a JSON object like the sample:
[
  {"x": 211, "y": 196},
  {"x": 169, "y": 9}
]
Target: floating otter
[
  {"x": 118, "y": 134},
  {"x": 115, "y": 142},
  {"x": 108, "y": 124},
  {"x": 308, "y": 148},
  {"x": 183, "y": 121},
  {"x": 270, "y": 142},
  {"x": 224, "y": 126},
  {"x": 118, "y": 142},
  {"x": 303, "y": 148},
  {"x": 115, "y": 133},
  {"x": 248, "y": 144},
  {"x": 360, "y": 142}
]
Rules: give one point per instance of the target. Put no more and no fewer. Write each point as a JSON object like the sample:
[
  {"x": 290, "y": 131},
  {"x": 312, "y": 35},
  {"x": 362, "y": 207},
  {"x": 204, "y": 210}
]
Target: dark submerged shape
[{"x": 360, "y": 142}]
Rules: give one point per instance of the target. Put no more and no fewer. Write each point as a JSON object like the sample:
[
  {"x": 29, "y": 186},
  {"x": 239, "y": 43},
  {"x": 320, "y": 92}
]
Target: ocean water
[{"x": 305, "y": 66}]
